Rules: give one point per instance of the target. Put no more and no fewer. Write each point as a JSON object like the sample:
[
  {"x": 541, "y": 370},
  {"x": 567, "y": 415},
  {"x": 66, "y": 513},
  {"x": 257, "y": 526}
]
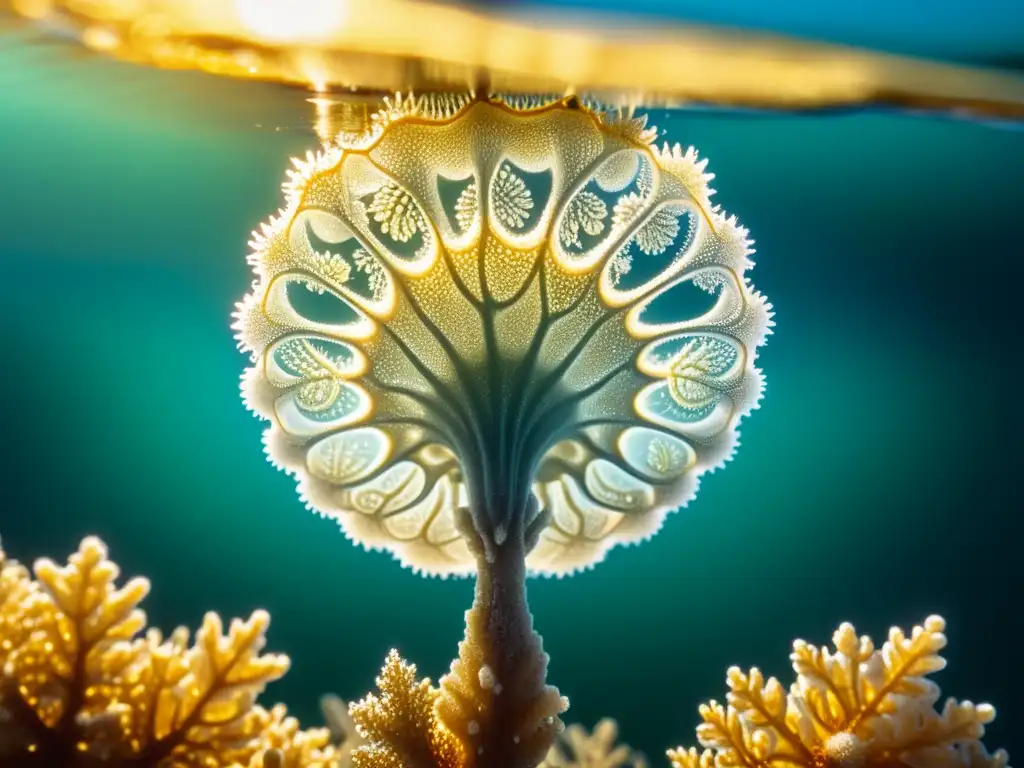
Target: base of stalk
[{"x": 495, "y": 699}]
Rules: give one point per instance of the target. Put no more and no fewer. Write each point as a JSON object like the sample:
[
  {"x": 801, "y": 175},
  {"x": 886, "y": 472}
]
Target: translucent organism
[
  {"x": 493, "y": 335},
  {"x": 856, "y": 706},
  {"x": 522, "y": 310}
]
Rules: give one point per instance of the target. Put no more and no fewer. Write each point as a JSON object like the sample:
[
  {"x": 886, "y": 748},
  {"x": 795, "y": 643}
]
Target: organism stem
[{"x": 496, "y": 698}]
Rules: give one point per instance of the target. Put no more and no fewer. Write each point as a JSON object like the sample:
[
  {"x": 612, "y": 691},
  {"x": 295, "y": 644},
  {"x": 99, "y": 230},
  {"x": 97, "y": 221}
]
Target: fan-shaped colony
[{"x": 525, "y": 311}]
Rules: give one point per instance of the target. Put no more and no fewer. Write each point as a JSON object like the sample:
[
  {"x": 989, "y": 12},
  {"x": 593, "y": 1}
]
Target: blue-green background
[{"x": 880, "y": 482}]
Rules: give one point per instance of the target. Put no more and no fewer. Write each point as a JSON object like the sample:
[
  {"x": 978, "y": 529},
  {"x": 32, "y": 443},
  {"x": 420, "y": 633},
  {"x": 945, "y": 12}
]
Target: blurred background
[
  {"x": 987, "y": 31},
  {"x": 878, "y": 483}
]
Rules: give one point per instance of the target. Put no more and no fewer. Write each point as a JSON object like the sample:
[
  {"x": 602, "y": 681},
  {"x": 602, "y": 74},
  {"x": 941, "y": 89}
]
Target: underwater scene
[{"x": 502, "y": 386}]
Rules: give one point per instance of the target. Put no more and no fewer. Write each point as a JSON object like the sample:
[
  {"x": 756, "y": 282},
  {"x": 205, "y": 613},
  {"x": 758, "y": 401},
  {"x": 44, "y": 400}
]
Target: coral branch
[
  {"x": 401, "y": 725},
  {"x": 81, "y": 689},
  {"x": 854, "y": 707}
]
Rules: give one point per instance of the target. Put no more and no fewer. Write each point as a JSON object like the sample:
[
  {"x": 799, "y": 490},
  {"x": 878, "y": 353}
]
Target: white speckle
[
  {"x": 487, "y": 679},
  {"x": 500, "y": 534},
  {"x": 515, "y": 739},
  {"x": 846, "y": 750},
  {"x": 498, "y": 689},
  {"x": 473, "y": 727}
]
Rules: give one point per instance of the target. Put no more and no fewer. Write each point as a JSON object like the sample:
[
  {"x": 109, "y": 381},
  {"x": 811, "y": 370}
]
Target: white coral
[{"x": 576, "y": 748}]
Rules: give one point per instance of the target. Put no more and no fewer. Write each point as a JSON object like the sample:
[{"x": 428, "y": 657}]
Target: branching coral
[
  {"x": 578, "y": 749},
  {"x": 82, "y": 686},
  {"x": 852, "y": 707},
  {"x": 401, "y": 726}
]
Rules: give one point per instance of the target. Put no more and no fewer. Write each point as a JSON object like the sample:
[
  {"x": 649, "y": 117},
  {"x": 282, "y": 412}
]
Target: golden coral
[
  {"x": 576, "y": 748},
  {"x": 81, "y": 687},
  {"x": 411, "y": 723},
  {"x": 852, "y": 707},
  {"x": 401, "y": 725}
]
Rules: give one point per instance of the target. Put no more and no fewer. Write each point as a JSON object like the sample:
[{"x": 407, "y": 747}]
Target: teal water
[
  {"x": 975, "y": 31},
  {"x": 879, "y": 482}
]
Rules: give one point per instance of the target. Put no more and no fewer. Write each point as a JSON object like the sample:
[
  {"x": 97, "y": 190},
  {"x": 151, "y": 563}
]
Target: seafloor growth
[
  {"x": 493, "y": 336},
  {"x": 83, "y": 687},
  {"x": 852, "y": 707},
  {"x": 576, "y": 748},
  {"x": 85, "y": 684}
]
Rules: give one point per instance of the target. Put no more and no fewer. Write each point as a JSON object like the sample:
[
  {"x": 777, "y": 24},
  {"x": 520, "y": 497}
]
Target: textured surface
[
  {"x": 856, "y": 435},
  {"x": 583, "y": 329},
  {"x": 82, "y": 687},
  {"x": 852, "y": 707}
]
